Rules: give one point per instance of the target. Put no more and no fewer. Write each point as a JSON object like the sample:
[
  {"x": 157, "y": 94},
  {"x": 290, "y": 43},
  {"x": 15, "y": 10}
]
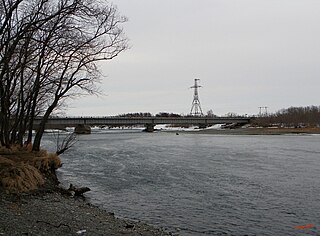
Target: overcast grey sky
[{"x": 246, "y": 53}]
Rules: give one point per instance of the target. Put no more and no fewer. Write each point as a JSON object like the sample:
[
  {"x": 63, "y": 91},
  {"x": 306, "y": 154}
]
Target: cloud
[{"x": 247, "y": 53}]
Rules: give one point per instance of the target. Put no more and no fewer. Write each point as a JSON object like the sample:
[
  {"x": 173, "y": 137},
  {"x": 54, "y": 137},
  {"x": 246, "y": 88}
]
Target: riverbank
[
  {"x": 32, "y": 203},
  {"x": 260, "y": 131},
  {"x": 52, "y": 213}
]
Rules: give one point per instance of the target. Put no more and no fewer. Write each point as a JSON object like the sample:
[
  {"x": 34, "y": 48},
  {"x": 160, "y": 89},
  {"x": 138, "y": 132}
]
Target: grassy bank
[{"x": 22, "y": 170}]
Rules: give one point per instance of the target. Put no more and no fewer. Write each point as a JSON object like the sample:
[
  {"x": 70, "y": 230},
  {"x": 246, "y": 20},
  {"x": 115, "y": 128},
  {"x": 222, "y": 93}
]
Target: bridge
[{"x": 149, "y": 122}]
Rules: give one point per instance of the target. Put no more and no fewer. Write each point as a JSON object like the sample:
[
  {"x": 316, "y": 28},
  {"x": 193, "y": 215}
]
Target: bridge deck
[{"x": 92, "y": 121}]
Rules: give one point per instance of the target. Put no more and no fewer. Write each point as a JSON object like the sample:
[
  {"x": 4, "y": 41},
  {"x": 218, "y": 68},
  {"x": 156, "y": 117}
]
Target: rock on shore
[{"x": 56, "y": 214}]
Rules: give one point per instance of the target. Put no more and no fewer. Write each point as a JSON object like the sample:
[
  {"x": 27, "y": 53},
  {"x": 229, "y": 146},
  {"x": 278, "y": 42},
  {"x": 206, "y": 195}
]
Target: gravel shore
[{"x": 52, "y": 213}]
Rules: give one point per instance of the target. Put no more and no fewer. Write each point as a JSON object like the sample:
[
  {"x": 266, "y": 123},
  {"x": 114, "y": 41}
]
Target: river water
[{"x": 198, "y": 184}]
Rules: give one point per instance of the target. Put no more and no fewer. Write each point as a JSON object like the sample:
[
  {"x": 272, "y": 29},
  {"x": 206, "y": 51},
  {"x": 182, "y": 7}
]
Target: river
[{"x": 200, "y": 184}]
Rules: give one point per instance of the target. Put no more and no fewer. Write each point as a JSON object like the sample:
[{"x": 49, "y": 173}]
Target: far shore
[{"x": 259, "y": 131}]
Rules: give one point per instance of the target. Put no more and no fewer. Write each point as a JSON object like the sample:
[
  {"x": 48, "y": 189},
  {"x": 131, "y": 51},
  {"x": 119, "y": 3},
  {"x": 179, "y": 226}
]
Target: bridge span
[{"x": 148, "y": 122}]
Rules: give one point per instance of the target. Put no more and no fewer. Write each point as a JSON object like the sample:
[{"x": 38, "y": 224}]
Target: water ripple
[{"x": 202, "y": 184}]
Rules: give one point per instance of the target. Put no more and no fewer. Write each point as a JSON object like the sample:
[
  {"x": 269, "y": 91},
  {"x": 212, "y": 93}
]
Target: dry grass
[
  {"x": 19, "y": 176},
  {"x": 46, "y": 163},
  {"x": 22, "y": 170}
]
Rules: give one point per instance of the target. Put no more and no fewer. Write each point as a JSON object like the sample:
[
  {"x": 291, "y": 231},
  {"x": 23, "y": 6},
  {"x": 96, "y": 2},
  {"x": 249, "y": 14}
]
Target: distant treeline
[
  {"x": 136, "y": 114},
  {"x": 148, "y": 114},
  {"x": 292, "y": 117},
  {"x": 160, "y": 114}
]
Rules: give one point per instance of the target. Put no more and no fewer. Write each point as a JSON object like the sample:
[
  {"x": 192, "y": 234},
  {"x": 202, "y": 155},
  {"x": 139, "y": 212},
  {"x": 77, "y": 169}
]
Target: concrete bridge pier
[
  {"x": 149, "y": 128},
  {"x": 82, "y": 129},
  {"x": 203, "y": 126}
]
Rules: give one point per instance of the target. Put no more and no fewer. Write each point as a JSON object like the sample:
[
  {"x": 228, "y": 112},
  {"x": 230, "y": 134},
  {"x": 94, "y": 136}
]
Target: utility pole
[{"x": 196, "y": 108}]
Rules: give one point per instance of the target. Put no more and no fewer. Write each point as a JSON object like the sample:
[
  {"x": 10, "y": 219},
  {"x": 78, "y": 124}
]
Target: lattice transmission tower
[{"x": 196, "y": 107}]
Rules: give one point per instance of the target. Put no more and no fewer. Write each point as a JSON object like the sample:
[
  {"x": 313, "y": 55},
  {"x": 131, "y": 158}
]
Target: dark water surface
[{"x": 195, "y": 184}]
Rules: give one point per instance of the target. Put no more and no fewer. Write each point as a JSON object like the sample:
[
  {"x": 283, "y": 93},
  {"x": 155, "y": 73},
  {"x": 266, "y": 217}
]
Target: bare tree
[
  {"x": 64, "y": 143},
  {"x": 49, "y": 51},
  {"x": 292, "y": 117},
  {"x": 210, "y": 113},
  {"x": 89, "y": 35}
]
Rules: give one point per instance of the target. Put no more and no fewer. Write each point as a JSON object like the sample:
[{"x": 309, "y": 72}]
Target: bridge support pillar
[
  {"x": 149, "y": 128},
  {"x": 82, "y": 129},
  {"x": 203, "y": 126}
]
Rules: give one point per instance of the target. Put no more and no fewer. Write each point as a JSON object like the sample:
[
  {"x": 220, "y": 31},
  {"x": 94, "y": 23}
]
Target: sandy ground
[
  {"x": 52, "y": 213},
  {"x": 260, "y": 131}
]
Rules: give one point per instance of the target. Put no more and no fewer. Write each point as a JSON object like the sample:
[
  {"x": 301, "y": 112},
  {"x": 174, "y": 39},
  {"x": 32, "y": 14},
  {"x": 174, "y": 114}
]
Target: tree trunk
[{"x": 40, "y": 131}]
